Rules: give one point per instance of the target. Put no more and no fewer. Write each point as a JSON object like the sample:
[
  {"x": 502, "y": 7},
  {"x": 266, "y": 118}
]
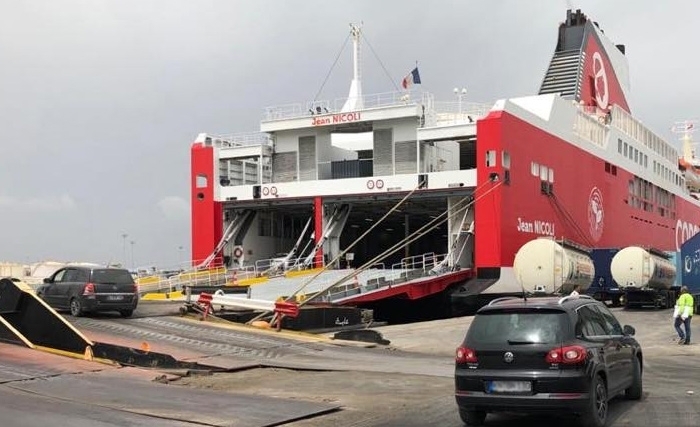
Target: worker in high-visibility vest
[{"x": 682, "y": 314}]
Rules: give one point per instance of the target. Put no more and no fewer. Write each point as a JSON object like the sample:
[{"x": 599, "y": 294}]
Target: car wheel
[
  {"x": 472, "y": 418},
  {"x": 126, "y": 313},
  {"x": 76, "y": 307},
  {"x": 634, "y": 392},
  {"x": 596, "y": 413}
]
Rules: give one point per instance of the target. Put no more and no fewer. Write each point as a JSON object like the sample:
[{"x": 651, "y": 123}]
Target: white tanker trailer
[
  {"x": 545, "y": 266},
  {"x": 647, "y": 277}
]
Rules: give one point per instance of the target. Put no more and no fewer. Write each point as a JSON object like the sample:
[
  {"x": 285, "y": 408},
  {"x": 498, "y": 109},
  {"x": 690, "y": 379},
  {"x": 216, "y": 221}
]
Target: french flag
[{"x": 413, "y": 78}]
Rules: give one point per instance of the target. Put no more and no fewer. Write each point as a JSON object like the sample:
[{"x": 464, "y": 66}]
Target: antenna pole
[
  {"x": 355, "y": 101},
  {"x": 686, "y": 129}
]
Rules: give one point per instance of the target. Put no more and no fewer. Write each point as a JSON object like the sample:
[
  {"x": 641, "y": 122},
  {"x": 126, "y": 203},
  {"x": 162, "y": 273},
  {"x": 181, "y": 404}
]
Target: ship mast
[
  {"x": 354, "y": 101},
  {"x": 686, "y": 129}
]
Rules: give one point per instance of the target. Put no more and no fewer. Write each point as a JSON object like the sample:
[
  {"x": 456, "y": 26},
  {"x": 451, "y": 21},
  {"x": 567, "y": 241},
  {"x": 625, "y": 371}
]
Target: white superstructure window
[
  {"x": 490, "y": 158},
  {"x": 535, "y": 169},
  {"x": 201, "y": 181},
  {"x": 506, "y": 160}
]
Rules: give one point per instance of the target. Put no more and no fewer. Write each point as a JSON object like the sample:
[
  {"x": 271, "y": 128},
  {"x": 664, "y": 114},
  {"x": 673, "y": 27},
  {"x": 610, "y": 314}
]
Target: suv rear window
[
  {"x": 112, "y": 276},
  {"x": 518, "y": 327}
]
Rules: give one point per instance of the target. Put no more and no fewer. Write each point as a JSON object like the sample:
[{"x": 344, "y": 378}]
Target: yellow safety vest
[{"x": 685, "y": 300}]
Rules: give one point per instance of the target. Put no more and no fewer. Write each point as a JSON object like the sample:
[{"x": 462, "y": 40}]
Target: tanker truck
[
  {"x": 647, "y": 277},
  {"x": 544, "y": 266}
]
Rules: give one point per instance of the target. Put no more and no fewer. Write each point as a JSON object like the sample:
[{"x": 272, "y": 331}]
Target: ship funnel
[
  {"x": 587, "y": 67},
  {"x": 354, "y": 101}
]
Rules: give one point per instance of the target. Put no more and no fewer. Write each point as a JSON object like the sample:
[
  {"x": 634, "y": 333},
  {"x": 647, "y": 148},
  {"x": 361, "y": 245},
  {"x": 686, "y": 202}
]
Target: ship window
[
  {"x": 543, "y": 173},
  {"x": 614, "y": 170},
  {"x": 607, "y": 167},
  {"x": 506, "y": 160},
  {"x": 619, "y": 146},
  {"x": 636, "y": 155},
  {"x": 201, "y": 181},
  {"x": 535, "y": 169},
  {"x": 625, "y": 151},
  {"x": 490, "y": 158},
  {"x": 646, "y": 161},
  {"x": 551, "y": 176}
]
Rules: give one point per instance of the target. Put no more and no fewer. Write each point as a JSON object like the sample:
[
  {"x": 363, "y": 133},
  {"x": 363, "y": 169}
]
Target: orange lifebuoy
[{"x": 238, "y": 252}]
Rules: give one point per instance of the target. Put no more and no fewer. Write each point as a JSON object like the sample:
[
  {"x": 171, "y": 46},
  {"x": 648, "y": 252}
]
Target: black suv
[
  {"x": 546, "y": 354},
  {"x": 85, "y": 289}
]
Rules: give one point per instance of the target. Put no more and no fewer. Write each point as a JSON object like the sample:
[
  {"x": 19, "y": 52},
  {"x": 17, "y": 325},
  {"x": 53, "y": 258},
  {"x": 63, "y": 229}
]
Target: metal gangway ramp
[{"x": 27, "y": 320}]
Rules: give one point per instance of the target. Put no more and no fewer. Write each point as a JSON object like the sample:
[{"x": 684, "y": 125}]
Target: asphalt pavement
[{"x": 301, "y": 380}]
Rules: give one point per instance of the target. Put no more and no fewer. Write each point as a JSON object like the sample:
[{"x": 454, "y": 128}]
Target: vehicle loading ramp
[{"x": 27, "y": 320}]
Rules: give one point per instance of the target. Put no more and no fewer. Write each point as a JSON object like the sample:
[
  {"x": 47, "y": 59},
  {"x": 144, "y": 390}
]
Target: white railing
[
  {"x": 622, "y": 120},
  {"x": 424, "y": 262},
  {"x": 590, "y": 127},
  {"x": 240, "y": 139},
  {"x": 377, "y": 100}
]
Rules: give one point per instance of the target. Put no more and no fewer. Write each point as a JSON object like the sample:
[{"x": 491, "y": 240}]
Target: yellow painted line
[
  {"x": 250, "y": 281},
  {"x": 225, "y": 324},
  {"x": 160, "y": 296},
  {"x": 153, "y": 296},
  {"x": 86, "y": 356},
  {"x": 17, "y": 333},
  {"x": 297, "y": 273}
]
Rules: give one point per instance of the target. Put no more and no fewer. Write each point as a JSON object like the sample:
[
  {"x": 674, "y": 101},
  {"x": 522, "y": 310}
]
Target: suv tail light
[
  {"x": 569, "y": 355},
  {"x": 136, "y": 288},
  {"x": 465, "y": 355},
  {"x": 89, "y": 289}
]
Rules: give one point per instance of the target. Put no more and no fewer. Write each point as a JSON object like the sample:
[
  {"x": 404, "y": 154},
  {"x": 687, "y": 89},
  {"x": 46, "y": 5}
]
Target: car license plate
[
  {"x": 508, "y": 387},
  {"x": 115, "y": 297}
]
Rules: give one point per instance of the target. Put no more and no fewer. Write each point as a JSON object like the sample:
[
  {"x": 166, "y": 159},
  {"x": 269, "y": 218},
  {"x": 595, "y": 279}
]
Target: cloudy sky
[{"x": 101, "y": 99}]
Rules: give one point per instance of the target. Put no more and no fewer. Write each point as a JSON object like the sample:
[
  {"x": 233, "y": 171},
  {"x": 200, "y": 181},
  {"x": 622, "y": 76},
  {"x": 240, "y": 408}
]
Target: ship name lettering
[
  {"x": 320, "y": 121},
  {"x": 336, "y": 118},
  {"x": 346, "y": 117},
  {"x": 543, "y": 228},
  {"x": 684, "y": 231}
]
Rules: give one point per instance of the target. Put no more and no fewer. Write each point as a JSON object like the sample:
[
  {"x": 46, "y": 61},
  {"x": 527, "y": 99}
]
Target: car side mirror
[
  {"x": 628, "y": 330},
  {"x": 47, "y": 280}
]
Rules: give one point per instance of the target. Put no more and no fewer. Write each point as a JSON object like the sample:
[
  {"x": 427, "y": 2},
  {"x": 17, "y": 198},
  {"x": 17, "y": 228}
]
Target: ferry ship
[{"x": 571, "y": 162}]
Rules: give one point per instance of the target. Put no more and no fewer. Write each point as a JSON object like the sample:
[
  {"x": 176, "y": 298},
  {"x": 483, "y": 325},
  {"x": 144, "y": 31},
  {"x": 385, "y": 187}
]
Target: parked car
[
  {"x": 89, "y": 289},
  {"x": 546, "y": 354}
]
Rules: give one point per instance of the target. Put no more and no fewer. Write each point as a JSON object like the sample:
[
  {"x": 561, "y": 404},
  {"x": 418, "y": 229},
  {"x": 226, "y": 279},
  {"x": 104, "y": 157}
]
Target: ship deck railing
[
  {"x": 376, "y": 100},
  {"x": 210, "y": 276},
  {"x": 448, "y": 113},
  {"x": 243, "y": 139}
]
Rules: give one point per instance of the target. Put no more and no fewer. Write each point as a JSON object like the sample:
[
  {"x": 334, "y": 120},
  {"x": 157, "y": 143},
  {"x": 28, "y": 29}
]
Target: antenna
[
  {"x": 685, "y": 129},
  {"x": 355, "y": 101}
]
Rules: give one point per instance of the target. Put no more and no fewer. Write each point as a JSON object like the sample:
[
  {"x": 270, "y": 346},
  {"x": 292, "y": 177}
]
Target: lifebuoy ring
[
  {"x": 380, "y": 183},
  {"x": 266, "y": 191},
  {"x": 370, "y": 184},
  {"x": 238, "y": 252}
]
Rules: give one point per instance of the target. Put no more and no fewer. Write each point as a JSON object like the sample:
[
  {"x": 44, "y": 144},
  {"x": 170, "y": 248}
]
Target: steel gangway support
[
  {"x": 333, "y": 227},
  {"x": 25, "y": 319},
  {"x": 240, "y": 222}
]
